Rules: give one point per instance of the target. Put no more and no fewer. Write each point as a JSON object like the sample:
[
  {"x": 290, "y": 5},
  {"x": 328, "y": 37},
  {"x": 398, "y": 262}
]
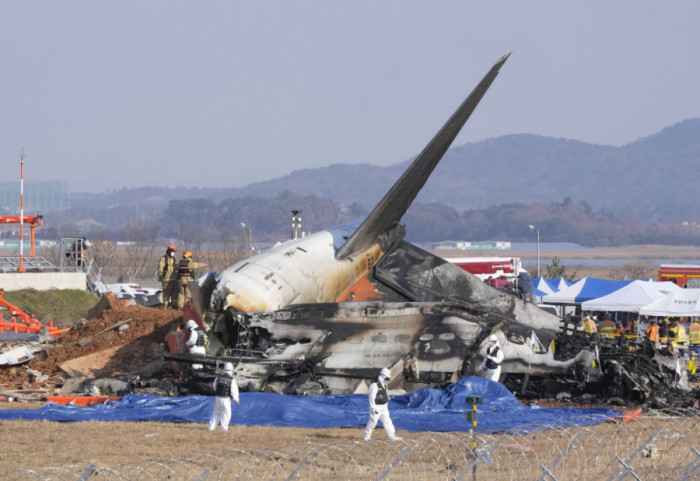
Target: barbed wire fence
[{"x": 658, "y": 445}]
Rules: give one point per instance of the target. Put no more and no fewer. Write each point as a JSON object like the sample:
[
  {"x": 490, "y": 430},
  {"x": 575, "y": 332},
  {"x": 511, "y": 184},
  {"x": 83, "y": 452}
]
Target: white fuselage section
[{"x": 296, "y": 272}]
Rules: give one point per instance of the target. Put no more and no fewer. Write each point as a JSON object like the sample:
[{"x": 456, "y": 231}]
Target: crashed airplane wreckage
[{"x": 323, "y": 314}]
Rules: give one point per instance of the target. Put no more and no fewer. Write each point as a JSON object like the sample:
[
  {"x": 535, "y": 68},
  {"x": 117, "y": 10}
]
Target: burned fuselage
[
  {"x": 342, "y": 303},
  {"x": 426, "y": 321}
]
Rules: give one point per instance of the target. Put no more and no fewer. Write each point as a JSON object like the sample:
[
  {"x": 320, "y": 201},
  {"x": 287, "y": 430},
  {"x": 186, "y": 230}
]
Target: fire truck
[
  {"x": 503, "y": 273},
  {"x": 683, "y": 275}
]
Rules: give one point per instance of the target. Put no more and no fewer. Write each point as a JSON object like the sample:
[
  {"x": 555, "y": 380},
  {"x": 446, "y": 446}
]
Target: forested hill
[{"x": 653, "y": 179}]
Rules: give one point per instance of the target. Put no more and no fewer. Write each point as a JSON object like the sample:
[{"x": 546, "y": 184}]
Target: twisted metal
[{"x": 660, "y": 445}]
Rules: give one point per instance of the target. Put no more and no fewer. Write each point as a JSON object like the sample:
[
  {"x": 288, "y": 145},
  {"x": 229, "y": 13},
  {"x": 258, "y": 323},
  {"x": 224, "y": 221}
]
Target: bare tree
[
  {"x": 140, "y": 248},
  {"x": 634, "y": 270}
]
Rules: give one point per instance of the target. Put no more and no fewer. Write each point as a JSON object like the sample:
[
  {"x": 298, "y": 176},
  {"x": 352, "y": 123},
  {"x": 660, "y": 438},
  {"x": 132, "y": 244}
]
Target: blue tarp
[{"x": 424, "y": 410}]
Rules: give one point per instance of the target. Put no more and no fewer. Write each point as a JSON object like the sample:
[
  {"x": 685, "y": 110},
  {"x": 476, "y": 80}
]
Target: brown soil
[{"x": 107, "y": 354}]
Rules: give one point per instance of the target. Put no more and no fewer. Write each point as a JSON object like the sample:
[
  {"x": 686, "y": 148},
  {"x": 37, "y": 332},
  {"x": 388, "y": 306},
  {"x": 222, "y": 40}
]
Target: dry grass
[
  {"x": 339, "y": 453},
  {"x": 35, "y": 444}
]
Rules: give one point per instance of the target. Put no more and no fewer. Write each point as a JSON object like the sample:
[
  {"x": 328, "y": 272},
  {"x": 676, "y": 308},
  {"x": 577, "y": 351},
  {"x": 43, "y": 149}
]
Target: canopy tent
[
  {"x": 680, "y": 302},
  {"x": 631, "y": 297},
  {"x": 542, "y": 288},
  {"x": 559, "y": 283},
  {"x": 584, "y": 290}
]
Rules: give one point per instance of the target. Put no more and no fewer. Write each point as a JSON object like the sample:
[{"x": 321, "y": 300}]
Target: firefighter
[
  {"x": 185, "y": 274},
  {"x": 379, "y": 407},
  {"x": 168, "y": 277},
  {"x": 677, "y": 333},
  {"x": 694, "y": 332},
  {"x": 225, "y": 389},
  {"x": 607, "y": 327},
  {"x": 663, "y": 331}
]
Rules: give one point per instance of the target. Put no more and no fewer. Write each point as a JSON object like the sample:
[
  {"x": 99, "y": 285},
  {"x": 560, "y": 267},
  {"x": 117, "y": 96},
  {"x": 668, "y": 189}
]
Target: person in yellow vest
[
  {"x": 589, "y": 325},
  {"x": 185, "y": 274},
  {"x": 681, "y": 334},
  {"x": 607, "y": 327},
  {"x": 168, "y": 277},
  {"x": 694, "y": 332}
]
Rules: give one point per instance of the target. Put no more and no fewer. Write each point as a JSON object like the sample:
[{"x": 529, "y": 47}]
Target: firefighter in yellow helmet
[
  {"x": 167, "y": 275},
  {"x": 185, "y": 274}
]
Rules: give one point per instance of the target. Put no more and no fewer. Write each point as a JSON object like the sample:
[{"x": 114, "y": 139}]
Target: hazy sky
[{"x": 108, "y": 94}]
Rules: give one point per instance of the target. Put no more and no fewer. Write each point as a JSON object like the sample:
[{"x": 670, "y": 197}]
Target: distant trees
[{"x": 197, "y": 223}]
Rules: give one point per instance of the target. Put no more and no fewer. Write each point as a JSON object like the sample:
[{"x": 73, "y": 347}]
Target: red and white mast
[{"x": 21, "y": 211}]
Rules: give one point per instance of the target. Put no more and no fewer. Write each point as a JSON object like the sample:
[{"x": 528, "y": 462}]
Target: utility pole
[
  {"x": 296, "y": 223},
  {"x": 537, "y": 233},
  {"x": 250, "y": 236}
]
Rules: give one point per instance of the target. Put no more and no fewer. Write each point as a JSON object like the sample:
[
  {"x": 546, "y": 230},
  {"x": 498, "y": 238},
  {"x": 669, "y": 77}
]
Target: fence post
[
  {"x": 693, "y": 466},
  {"x": 628, "y": 470},
  {"x": 547, "y": 471},
  {"x": 92, "y": 469},
  {"x": 296, "y": 470},
  {"x": 394, "y": 463}
]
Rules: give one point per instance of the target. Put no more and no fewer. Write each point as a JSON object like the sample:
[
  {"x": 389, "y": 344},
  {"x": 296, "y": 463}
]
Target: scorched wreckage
[{"x": 324, "y": 313}]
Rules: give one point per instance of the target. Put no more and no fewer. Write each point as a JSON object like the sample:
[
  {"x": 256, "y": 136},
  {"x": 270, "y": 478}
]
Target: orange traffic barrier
[{"x": 82, "y": 400}]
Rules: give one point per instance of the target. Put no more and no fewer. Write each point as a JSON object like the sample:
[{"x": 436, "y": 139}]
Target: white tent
[
  {"x": 680, "y": 302},
  {"x": 630, "y": 298}
]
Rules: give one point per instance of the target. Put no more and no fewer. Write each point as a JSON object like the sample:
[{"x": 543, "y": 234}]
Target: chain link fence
[{"x": 659, "y": 445}]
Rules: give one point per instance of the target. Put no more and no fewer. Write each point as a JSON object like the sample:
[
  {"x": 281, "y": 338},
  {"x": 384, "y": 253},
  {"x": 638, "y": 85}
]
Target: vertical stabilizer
[{"x": 388, "y": 213}]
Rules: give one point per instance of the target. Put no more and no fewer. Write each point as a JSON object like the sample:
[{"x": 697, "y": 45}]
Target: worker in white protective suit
[
  {"x": 225, "y": 389},
  {"x": 491, "y": 367},
  {"x": 379, "y": 407},
  {"x": 195, "y": 342}
]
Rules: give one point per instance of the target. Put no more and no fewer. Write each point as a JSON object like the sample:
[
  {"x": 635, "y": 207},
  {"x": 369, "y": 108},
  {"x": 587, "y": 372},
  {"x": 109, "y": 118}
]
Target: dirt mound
[{"x": 117, "y": 339}]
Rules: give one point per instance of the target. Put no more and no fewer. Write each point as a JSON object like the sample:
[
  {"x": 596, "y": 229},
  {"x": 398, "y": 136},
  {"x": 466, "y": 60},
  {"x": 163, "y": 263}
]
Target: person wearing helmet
[
  {"x": 195, "y": 342},
  {"x": 185, "y": 274},
  {"x": 167, "y": 276},
  {"x": 225, "y": 389},
  {"x": 491, "y": 366},
  {"x": 379, "y": 407}
]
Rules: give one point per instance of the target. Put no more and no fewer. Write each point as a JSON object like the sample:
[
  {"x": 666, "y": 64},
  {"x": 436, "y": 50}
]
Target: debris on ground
[
  {"x": 121, "y": 348},
  {"x": 97, "y": 348}
]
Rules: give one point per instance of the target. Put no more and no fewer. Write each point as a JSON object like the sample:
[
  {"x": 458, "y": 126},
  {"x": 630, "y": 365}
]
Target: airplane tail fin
[{"x": 388, "y": 213}]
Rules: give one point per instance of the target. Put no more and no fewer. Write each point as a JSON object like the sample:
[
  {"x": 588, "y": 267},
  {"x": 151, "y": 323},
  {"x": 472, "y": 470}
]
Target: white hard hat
[
  {"x": 191, "y": 324},
  {"x": 493, "y": 338},
  {"x": 385, "y": 372},
  {"x": 228, "y": 367}
]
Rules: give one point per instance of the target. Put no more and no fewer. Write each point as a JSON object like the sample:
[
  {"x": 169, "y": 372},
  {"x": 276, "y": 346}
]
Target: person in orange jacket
[{"x": 652, "y": 333}]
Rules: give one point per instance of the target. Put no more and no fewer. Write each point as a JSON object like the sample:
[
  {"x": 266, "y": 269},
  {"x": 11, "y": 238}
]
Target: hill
[{"x": 651, "y": 179}]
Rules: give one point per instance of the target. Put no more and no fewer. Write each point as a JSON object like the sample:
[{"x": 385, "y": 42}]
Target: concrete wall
[{"x": 43, "y": 281}]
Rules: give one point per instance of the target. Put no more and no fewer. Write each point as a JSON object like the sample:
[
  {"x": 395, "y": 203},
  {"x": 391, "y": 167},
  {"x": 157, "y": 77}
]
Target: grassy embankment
[{"x": 62, "y": 306}]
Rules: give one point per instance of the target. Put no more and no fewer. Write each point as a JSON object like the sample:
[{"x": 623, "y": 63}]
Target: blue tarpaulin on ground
[{"x": 423, "y": 410}]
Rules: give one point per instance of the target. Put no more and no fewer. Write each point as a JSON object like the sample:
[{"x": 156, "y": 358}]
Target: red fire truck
[
  {"x": 683, "y": 275},
  {"x": 504, "y": 273}
]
